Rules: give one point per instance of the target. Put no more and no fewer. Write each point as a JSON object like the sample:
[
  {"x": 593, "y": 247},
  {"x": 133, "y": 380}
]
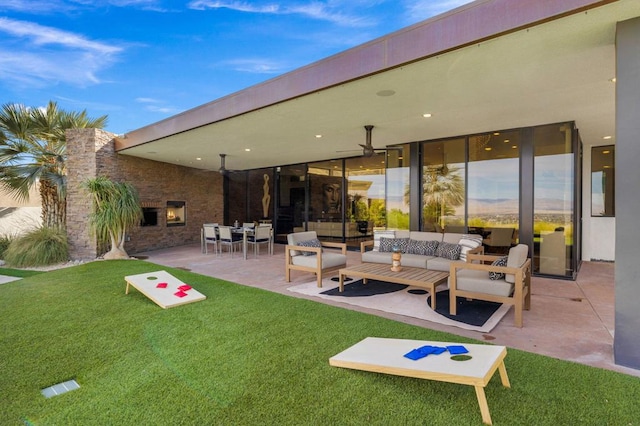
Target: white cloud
[
  {"x": 36, "y": 54},
  {"x": 419, "y": 10},
  {"x": 155, "y": 105},
  {"x": 313, "y": 10},
  {"x": 256, "y": 66}
]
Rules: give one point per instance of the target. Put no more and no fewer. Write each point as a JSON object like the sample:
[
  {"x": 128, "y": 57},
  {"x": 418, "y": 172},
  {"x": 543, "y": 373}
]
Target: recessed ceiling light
[
  {"x": 514, "y": 146},
  {"x": 386, "y": 92},
  {"x": 198, "y": 158},
  {"x": 496, "y": 133},
  {"x": 606, "y": 151},
  {"x": 606, "y": 167},
  {"x": 613, "y": 80},
  {"x": 607, "y": 137},
  {"x": 427, "y": 115},
  {"x": 488, "y": 148},
  {"x": 318, "y": 136},
  {"x": 507, "y": 141},
  {"x": 247, "y": 149}
]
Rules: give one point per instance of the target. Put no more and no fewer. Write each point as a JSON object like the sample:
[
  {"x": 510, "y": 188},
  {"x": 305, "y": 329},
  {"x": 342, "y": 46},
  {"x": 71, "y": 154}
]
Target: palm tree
[
  {"x": 116, "y": 209},
  {"x": 443, "y": 191},
  {"x": 444, "y": 188},
  {"x": 33, "y": 150}
]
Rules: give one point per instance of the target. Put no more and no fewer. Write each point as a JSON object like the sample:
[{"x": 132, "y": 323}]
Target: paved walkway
[{"x": 571, "y": 320}]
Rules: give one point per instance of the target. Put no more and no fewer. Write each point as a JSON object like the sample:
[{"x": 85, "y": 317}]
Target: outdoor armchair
[
  {"x": 317, "y": 259},
  {"x": 512, "y": 286}
]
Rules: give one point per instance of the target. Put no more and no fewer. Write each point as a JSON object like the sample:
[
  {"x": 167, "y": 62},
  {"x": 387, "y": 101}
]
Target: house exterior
[{"x": 499, "y": 114}]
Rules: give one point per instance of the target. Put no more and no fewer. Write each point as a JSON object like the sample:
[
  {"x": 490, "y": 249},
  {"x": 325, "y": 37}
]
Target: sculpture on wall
[{"x": 266, "y": 198}]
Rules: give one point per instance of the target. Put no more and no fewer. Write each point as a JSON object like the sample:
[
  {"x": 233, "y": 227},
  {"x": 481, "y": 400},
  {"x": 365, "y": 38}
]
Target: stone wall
[{"x": 91, "y": 153}]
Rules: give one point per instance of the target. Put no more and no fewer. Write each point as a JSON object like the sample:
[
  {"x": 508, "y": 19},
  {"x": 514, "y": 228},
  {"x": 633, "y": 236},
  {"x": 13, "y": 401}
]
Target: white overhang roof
[{"x": 489, "y": 65}]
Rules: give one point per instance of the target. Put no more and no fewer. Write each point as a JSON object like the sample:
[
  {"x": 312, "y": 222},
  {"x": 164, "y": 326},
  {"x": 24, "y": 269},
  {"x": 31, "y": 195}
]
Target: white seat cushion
[
  {"x": 479, "y": 282},
  {"x": 329, "y": 260}
]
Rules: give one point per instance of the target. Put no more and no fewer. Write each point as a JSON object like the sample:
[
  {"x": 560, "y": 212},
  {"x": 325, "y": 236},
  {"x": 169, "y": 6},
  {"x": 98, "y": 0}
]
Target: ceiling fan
[
  {"x": 367, "y": 148},
  {"x": 223, "y": 169}
]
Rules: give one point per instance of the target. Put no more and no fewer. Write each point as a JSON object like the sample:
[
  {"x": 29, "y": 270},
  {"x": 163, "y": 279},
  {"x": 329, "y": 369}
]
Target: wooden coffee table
[
  {"x": 416, "y": 277},
  {"x": 381, "y": 355}
]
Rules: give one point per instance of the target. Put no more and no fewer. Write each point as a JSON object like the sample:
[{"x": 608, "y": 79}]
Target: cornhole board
[
  {"x": 164, "y": 289},
  {"x": 383, "y": 355}
]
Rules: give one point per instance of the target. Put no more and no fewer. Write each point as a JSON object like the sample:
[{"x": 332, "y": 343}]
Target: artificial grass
[
  {"x": 20, "y": 273},
  {"x": 247, "y": 356}
]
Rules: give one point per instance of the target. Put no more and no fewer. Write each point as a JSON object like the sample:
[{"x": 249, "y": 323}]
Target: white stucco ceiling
[{"x": 553, "y": 72}]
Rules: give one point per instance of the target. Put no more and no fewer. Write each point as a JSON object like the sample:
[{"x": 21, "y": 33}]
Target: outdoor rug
[{"x": 407, "y": 301}]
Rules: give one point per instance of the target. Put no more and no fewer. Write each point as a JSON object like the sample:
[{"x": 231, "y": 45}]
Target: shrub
[
  {"x": 5, "y": 240},
  {"x": 40, "y": 247}
]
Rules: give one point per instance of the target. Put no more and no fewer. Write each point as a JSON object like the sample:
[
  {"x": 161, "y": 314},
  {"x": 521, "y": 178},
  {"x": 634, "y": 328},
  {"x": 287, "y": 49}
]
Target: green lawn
[{"x": 246, "y": 356}]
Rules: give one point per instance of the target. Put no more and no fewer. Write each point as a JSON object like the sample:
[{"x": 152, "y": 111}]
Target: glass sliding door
[
  {"x": 554, "y": 192},
  {"x": 365, "y": 207},
  {"x": 398, "y": 190},
  {"x": 326, "y": 201},
  {"x": 493, "y": 197},
  {"x": 291, "y": 201},
  {"x": 443, "y": 186}
]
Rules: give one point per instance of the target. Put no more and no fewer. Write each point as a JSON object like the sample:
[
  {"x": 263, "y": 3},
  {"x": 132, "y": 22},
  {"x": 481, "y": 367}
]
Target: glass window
[
  {"x": 493, "y": 199},
  {"x": 398, "y": 190},
  {"x": 325, "y": 199},
  {"x": 443, "y": 186},
  {"x": 290, "y": 216},
  {"x": 603, "y": 175},
  {"x": 365, "y": 196},
  {"x": 553, "y": 201}
]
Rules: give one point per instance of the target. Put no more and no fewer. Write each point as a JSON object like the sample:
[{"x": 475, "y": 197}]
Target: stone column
[{"x": 86, "y": 149}]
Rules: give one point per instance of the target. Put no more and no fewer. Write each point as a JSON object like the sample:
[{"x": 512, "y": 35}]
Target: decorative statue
[{"x": 266, "y": 198}]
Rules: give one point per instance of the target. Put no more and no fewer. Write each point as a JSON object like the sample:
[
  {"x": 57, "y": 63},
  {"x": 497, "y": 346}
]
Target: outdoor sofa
[{"x": 421, "y": 249}]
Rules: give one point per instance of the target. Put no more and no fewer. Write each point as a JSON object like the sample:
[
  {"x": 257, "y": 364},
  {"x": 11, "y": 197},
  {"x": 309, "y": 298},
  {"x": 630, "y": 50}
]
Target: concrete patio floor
[{"x": 570, "y": 320}]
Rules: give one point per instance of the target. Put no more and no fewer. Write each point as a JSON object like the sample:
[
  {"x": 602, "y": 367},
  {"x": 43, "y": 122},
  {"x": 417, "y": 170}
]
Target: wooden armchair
[
  {"x": 471, "y": 280},
  {"x": 319, "y": 261}
]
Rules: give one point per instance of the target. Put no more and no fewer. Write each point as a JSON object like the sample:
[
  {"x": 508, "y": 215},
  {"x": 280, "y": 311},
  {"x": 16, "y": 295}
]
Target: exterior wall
[
  {"x": 91, "y": 153},
  {"x": 598, "y": 233},
  {"x": 626, "y": 343}
]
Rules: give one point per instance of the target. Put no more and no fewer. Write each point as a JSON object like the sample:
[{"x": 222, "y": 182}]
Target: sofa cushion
[
  {"x": 296, "y": 237},
  {"x": 414, "y": 260},
  {"x": 376, "y": 257},
  {"x": 425, "y": 236},
  {"x": 451, "y": 238},
  {"x": 498, "y": 262},
  {"x": 469, "y": 242},
  {"x": 517, "y": 256},
  {"x": 439, "y": 263},
  {"x": 329, "y": 260},
  {"x": 478, "y": 282},
  {"x": 309, "y": 243},
  {"x": 423, "y": 247},
  {"x": 377, "y": 234},
  {"x": 388, "y": 245},
  {"x": 448, "y": 251}
]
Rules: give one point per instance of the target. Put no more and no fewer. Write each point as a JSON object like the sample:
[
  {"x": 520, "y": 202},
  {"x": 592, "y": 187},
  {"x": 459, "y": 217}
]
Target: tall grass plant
[{"x": 40, "y": 247}]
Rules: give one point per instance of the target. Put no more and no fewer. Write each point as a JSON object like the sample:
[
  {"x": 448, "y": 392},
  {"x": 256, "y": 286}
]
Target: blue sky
[{"x": 139, "y": 61}]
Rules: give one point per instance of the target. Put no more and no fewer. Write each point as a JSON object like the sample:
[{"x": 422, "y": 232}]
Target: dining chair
[
  {"x": 248, "y": 225},
  {"x": 209, "y": 237},
  {"x": 261, "y": 235},
  {"x": 271, "y": 235},
  {"x": 227, "y": 239}
]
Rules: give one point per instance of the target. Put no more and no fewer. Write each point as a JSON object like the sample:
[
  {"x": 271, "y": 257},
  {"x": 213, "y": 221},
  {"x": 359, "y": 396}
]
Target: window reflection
[{"x": 603, "y": 175}]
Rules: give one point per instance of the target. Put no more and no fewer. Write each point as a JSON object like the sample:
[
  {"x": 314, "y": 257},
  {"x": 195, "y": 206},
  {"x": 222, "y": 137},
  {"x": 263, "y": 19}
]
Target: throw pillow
[
  {"x": 448, "y": 251},
  {"x": 469, "y": 242},
  {"x": 377, "y": 234},
  {"x": 310, "y": 243},
  {"x": 498, "y": 262},
  {"x": 387, "y": 245},
  {"x": 423, "y": 247}
]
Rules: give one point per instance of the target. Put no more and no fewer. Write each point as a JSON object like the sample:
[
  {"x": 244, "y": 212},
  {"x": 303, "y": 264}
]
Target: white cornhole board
[{"x": 152, "y": 285}]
